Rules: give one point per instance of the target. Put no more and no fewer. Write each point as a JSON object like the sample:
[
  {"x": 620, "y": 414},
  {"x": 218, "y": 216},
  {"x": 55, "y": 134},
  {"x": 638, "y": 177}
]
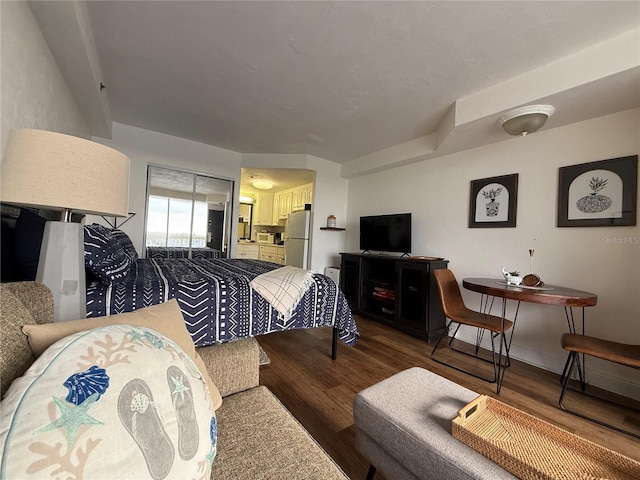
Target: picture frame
[
  {"x": 493, "y": 202},
  {"x": 598, "y": 194}
]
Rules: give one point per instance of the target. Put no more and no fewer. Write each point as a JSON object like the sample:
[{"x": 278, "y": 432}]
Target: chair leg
[
  {"x": 495, "y": 361},
  {"x": 455, "y": 332},
  {"x": 442, "y": 335},
  {"x": 372, "y": 472},
  {"x": 565, "y": 370},
  {"x": 566, "y": 376},
  {"x": 572, "y": 361}
]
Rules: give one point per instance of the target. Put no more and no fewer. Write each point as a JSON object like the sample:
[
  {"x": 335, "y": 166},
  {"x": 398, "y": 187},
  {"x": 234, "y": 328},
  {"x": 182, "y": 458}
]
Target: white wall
[
  {"x": 603, "y": 260},
  {"x": 34, "y": 93},
  {"x": 144, "y": 147},
  {"x": 329, "y": 198}
]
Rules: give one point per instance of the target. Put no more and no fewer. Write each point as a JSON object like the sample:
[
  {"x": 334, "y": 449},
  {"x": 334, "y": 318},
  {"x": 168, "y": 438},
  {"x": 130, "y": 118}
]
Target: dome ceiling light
[
  {"x": 525, "y": 120},
  {"x": 262, "y": 184}
]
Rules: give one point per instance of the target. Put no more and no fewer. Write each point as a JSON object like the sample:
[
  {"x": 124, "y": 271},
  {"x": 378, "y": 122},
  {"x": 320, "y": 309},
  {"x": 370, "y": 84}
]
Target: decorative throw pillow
[
  {"x": 126, "y": 244},
  {"x": 165, "y": 318},
  {"x": 112, "y": 402},
  {"x": 104, "y": 255}
]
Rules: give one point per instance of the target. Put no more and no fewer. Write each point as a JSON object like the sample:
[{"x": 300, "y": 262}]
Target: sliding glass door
[{"x": 187, "y": 210}]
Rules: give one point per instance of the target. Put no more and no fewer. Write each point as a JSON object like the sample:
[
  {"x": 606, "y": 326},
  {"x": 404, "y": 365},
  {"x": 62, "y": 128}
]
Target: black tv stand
[{"x": 397, "y": 291}]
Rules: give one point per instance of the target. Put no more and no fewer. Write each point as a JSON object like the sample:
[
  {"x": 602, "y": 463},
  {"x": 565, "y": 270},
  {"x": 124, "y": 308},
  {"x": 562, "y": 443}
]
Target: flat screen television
[{"x": 386, "y": 233}]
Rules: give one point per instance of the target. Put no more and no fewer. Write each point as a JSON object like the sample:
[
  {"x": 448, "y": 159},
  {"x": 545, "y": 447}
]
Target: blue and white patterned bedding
[{"x": 217, "y": 301}]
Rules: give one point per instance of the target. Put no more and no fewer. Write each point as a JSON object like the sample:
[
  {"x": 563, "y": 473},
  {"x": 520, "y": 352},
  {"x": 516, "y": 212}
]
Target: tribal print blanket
[{"x": 217, "y": 301}]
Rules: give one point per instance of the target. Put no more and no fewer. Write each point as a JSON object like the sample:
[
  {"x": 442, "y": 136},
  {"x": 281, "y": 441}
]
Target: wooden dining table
[{"x": 491, "y": 288}]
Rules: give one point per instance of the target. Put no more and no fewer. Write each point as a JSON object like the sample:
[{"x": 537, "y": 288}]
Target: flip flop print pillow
[{"x": 112, "y": 402}]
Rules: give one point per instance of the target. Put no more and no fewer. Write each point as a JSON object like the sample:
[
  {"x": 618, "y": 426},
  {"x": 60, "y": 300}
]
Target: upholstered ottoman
[{"x": 403, "y": 427}]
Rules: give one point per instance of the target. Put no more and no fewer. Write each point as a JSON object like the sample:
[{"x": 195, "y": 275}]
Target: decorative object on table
[
  {"x": 62, "y": 172},
  {"x": 331, "y": 221},
  {"x": 493, "y": 202},
  {"x": 512, "y": 277},
  {"x": 532, "y": 280},
  {"x": 598, "y": 194}
]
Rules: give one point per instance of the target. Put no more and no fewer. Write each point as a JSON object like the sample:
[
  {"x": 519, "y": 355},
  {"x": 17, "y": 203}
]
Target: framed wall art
[
  {"x": 493, "y": 202},
  {"x": 598, "y": 194}
]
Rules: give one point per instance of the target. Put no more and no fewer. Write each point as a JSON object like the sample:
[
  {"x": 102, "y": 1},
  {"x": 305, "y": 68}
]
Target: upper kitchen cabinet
[
  {"x": 263, "y": 210},
  {"x": 293, "y": 199},
  {"x": 273, "y": 208},
  {"x": 284, "y": 205},
  {"x": 301, "y": 195}
]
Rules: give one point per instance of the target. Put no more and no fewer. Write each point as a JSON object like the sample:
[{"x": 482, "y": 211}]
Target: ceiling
[
  {"x": 341, "y": 80},
  {"x": 282, "y": 178}
]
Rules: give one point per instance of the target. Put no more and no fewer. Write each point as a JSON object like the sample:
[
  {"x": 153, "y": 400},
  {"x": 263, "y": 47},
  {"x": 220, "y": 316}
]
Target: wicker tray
[{"x": 531, "y": 448}]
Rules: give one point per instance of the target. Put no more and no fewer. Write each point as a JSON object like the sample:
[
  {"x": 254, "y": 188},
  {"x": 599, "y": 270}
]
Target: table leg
[{"x": 506, "y": 341}]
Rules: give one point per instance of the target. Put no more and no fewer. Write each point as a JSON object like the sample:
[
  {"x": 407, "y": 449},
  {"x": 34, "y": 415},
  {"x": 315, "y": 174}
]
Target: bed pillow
[
  {"x": 104, "y": 255},
  {"x": 112, "y": 402},
  {"x": 126, "y": 244},
  {"x": 165, "y": 318}
]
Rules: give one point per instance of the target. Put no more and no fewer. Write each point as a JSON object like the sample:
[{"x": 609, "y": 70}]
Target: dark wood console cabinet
[{"x": 397, "y": 291}]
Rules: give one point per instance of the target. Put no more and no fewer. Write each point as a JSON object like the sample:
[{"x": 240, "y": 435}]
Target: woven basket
[{"x": 531, "y": 448}]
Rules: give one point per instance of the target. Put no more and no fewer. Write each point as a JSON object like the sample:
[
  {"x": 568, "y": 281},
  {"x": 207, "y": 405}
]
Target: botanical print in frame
[
  {"x": 598, "y": 194},
  {"x": 493, "y": 202}
]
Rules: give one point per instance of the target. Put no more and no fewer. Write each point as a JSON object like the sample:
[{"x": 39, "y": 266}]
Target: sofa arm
[
  {"x": 233, "y": 366},
  {"x": 36, "y": 297}
]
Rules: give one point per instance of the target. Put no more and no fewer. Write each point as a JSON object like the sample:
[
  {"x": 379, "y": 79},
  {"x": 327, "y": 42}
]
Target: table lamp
[{"x": 62, "y": 172}]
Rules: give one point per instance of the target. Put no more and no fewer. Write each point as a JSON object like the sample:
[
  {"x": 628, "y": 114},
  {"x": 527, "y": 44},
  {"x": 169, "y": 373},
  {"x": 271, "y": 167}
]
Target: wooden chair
[
  {"x": 575, "y": 344},
  {"x": 456, "y": 311}
]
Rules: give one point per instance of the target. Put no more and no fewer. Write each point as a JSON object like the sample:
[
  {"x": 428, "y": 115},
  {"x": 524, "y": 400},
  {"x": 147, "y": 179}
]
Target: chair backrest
[{"x": 450, "y": 295}]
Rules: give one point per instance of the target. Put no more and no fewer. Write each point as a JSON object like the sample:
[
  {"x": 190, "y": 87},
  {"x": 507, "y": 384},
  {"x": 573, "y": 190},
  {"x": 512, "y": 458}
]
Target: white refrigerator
[{"x": 297, "y": 239}]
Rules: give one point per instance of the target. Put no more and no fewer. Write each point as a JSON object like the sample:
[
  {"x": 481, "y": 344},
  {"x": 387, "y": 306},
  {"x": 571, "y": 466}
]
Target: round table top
[{"x": 549, "y": 294}]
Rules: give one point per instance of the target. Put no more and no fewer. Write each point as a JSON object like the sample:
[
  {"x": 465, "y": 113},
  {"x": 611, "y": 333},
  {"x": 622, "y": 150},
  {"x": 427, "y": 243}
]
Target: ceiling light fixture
[
  {"x": 262, "y": 184},
  {"x": 525, "y": 120}
]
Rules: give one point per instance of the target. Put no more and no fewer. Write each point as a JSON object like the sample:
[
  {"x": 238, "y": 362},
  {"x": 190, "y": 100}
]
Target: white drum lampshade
[{"x": 61, "y": 172}]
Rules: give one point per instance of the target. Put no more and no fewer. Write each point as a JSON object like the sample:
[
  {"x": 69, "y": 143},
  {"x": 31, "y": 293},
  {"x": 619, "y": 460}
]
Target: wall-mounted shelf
[{"x": 332, "y": 228}]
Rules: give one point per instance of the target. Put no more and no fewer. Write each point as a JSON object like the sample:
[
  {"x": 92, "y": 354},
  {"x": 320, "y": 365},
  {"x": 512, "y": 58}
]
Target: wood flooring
[{"x": 319, "y": 391}]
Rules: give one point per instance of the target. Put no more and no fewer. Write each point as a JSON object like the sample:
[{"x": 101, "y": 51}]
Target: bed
[{"x": 215, "y": 296}]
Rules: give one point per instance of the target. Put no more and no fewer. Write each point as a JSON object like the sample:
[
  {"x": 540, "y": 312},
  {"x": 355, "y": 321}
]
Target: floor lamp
[{"x": 61, "y": 172}]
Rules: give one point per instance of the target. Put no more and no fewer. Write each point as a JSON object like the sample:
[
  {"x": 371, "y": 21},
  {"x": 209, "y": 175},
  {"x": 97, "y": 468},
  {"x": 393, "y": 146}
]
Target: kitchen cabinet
[
  {"x": 263, "y": 211},
  {"x": 277, "y": 207},
  {"x": 285, "y": 204},
  {"x": 272, "y": 253},
  {"x": 271, "y": 208},
  {"x": 399, "y": 292},
  {"x": 248, "y": 251},
  {"x": 301, "y": 195}
]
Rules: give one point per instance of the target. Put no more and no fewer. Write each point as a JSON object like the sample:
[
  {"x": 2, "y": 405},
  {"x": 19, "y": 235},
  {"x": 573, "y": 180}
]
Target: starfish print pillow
[{"x": 112, "y": 402}]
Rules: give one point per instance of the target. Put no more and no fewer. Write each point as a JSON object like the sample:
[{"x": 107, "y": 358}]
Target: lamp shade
[{"x": 57, "y": 171}]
